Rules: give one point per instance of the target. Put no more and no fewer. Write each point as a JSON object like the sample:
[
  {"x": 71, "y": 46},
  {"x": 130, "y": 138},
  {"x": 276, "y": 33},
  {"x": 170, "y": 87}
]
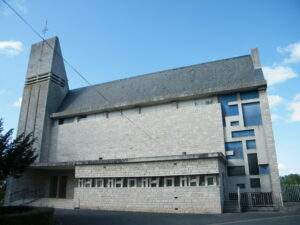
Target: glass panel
[
  {"x": 249, "y": 95},
  {"x": 236, "y": 170},
  {"x": 210, "y": 181},
  {"x": 264, "y": 169},
  {"x": 251, "y": 144},
  {"x": 236, "y": 147},
  {"x": 251, "y": 114},
  {"x": 242, "y": 133},
  {"x": 255, "y": 183},
  {"x": 227, "y": 110},
  {"x": 253, "y": 164}
]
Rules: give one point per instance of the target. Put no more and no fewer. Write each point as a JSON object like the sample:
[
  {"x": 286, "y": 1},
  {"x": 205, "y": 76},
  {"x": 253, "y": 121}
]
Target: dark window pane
[
  {"x": 53, "y": 187},
  {"x": 236, "y": 147},
  {"x": 251, "y": 144},
  {"x": 210, "y": 181},
  {"x": 251, "y": 114},
  {"x": 60, "y": 121},
  {"x": 242, "y": 133},
  {"x": 253, "y": 164},
  {"x": 242, "y": 186},
  {"x": 62, "y": 187},
  {"x": 249, "y": 95},
  {"x": 236, "y": 170},
  {"x": 255, "y": 183},
  {"x": 264, "y": 169},
  {"x": 234, "y": 123}
]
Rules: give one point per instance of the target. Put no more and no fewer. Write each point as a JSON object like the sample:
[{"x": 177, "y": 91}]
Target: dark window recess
[
  {"x": 241, "y": 186},
  {"x": 63, "y": 187},
  {"x": 264, "y": 169},
  {"x": 254, "y": 182},
  {"x": 60, "y": 121},
  {"x": 242, "y": 133},
  {"x": 53, "y": 187},
  {"x": 236, "y": 170},
  {"x": 251, "y": 144},
  {"x": 249, "y": 95},
  {"x": 253, "y": 164},
  {"x": 234, "y": 123},
  {"x": 251, "y": 114},
  {"x": 236, "y": 147}
]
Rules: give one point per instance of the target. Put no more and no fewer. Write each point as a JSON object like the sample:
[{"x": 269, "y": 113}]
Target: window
[
  {"x": 183, "y": 181},
  {"x": 60, "y": 121},
  {"x": 253, "y": 164},
  {"x": 264, "y": 169},
  {"x": 202, "y": 180},
  {"x": 169, "y": 182},
  {"x": 251, "y": 144},
  {"x": 154, "y": 182},
  {"x": 236, "y": 170},
  {"x": 255, "y": 183},
  {"x": 132, "y": 182},
  {"x": 119, "y": 182},
  {"x": 242, "y": 133},
  {"x": 251, "y": 114},
  {"x": 99, "y": 183},
  {"x": 228, "y": 110},
  {"x": 241, "y": 186},
  {"x": 210, "y": 181},
  {"x": 234, "y": 123},
  {"x": 193, "y": 181},
  {"x": 249, "y": 95},
  {"x": 236, "y": 147}
]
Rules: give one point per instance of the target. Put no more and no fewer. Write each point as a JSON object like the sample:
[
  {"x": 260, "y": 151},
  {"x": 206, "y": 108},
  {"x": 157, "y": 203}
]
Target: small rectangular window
[
  {"x": 202, "y": 180},
  {"x": 251, "y": 144},
  {"x": 242, "y": 133},
  {"x": 241, "y": 186},
  {"x": 251, "y": 114},
  {"x": 255, "y": 183},
  {"x": 253, "y": 164},
  {"x": 264, "y": 169},
  {"x": 249, "y": 95},
  {"x": 132, "y": 182},
  {"x": 234, "y": 123},
  {"x": 60, "y": 121},
  {"x": 236, "y": 170},
  {"x": 210, "y": 181},
  {"x": 169, "y": 182}
]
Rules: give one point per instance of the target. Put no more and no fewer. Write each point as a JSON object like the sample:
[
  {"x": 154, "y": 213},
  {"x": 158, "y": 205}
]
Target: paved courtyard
[{"x": 89, "y": 217}]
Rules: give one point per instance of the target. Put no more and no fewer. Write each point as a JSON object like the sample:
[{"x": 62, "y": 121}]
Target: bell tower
[{"x": 46, "y": 85}]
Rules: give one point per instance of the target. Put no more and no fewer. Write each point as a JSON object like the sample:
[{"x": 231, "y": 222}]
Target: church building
[{"x": 183, "y": 140}]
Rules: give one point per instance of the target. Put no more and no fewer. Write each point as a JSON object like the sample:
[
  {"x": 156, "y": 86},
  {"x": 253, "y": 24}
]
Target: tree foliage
[
  {"x": 291, "y": 179},
  {"x": 15, "y": 154}
]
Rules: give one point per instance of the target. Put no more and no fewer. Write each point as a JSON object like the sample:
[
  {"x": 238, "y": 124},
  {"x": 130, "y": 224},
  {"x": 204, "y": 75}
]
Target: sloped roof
[{"x": 188, "y": 82}]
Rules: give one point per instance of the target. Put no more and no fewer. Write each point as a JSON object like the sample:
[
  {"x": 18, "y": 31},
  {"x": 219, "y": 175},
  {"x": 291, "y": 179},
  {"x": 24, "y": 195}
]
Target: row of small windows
[
  {"x": 174, "y": 181},
  {"x": 254, "y": 183},
  {"x": 254, "y": 169}
]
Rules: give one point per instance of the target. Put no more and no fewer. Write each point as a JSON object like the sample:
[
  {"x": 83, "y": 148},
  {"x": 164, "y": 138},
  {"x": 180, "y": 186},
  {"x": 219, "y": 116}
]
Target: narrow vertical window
[
  {"x": 251, "y": 114},
  {"x": 253, "y": 164}
]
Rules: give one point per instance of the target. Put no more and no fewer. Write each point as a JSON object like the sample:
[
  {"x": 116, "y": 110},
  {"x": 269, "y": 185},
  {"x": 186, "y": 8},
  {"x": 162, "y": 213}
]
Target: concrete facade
[{"x": 159, "y": 143}]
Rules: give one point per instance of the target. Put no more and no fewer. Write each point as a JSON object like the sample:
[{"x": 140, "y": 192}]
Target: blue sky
[{"x": 109, "y": 40}]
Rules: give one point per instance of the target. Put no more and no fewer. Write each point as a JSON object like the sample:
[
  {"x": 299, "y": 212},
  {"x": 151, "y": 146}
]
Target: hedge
[{"x": 22, "y": 215}]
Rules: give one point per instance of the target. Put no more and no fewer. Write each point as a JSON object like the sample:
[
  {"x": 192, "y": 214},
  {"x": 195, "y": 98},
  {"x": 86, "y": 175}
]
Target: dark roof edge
[
  {"x": 153, "y": 102},
  {"x": 215, "y": 155}
]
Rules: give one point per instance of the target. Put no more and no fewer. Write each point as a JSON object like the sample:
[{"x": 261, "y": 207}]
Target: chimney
[{"x": 255, "y": 58}]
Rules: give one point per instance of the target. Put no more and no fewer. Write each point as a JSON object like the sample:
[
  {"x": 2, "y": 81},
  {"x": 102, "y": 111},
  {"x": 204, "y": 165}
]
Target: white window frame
[
  {"x": 169, "y": 178},
  {"x": 214, "y": 179}
]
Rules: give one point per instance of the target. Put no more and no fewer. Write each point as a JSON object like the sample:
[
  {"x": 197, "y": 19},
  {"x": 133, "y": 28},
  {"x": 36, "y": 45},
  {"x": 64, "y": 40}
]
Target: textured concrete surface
[{"x": 88, "y": 217}]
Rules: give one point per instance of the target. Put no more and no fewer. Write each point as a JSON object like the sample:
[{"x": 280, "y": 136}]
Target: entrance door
[{"x": 58, "y": 187}]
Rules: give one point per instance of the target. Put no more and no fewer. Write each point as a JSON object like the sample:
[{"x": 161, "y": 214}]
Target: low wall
[{"x": 160, "y": 199}]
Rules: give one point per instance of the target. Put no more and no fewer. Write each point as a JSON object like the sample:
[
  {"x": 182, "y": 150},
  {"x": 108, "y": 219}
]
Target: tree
[
  {"x": 15, "y": 155},
  {"x": 291, "y": 179}
]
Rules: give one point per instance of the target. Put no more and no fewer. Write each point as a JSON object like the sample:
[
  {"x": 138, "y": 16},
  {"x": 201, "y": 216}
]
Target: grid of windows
[
  {"x": 236, "y": 147},
  {"x": 251, "y": 144},
  {"x": 174, "y": 181},
  {"x": 251, "y": 114},
  {"x": 236, "y": 170},
  {"x": 242, "y": 133}
]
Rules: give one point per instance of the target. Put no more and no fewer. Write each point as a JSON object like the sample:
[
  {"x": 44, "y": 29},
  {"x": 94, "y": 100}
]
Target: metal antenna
[{"x": 44, "y": 31}]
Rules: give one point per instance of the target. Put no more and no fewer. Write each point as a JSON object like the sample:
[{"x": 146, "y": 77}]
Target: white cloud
[
  {"x": 278, "y": 74},
  {"x": 295, "y": 108},
  {"x": 292, "y": 51},
  {"x": 17, "y": 103},
  {"x": 11, "y": 48},
  {"x": 297, "y": 97},
  {"x": 275, "y": 100},
  {"x": 286, "y": 170}
]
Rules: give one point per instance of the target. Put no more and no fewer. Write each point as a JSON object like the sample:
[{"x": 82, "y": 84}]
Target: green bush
[{"x": 18, "y": 215}]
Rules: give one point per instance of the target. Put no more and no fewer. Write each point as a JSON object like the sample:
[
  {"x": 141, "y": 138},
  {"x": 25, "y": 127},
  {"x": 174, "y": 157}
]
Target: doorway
[{"x": 58, "y": 187}]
